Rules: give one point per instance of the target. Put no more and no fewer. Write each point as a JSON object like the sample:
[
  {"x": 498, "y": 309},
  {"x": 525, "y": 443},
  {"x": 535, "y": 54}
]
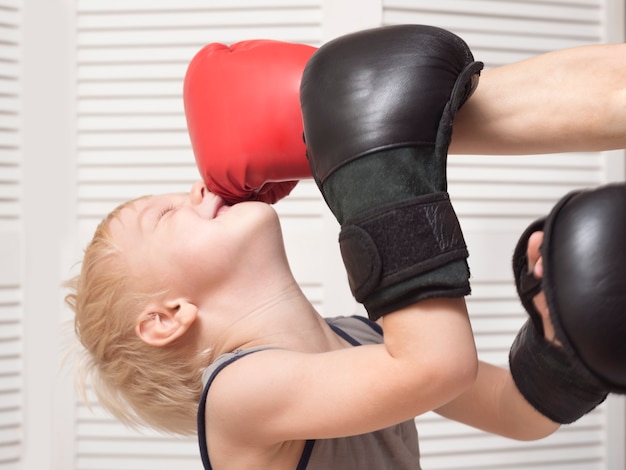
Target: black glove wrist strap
[
  {"x": 552, "y": 380},
  {"x": 401, "y": 241}
]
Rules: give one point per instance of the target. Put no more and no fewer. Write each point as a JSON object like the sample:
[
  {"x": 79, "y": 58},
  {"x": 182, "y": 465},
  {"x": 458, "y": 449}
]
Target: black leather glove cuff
[{"x": 552, "y": 380}]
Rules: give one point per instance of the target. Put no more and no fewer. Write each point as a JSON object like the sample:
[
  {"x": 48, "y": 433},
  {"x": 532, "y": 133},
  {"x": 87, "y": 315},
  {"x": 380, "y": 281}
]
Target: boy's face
[{"x": 188, "y": 240}]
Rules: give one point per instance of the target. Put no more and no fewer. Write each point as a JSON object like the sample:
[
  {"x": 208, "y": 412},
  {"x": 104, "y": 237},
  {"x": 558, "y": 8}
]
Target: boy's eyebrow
[{"x": 142, "y": 215}]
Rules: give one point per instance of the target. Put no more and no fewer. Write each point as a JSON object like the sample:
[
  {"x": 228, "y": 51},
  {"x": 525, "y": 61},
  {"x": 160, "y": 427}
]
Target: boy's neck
[{"x": 286, "y": 319}]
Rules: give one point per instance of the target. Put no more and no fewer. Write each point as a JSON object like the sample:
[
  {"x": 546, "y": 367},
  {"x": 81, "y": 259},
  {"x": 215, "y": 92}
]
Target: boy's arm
[
  {"x": 495, "y": 405},
  {"x": 563, "y": 101},
  {"x": 427, "y": 359},
  {"x": 400, "y": 242},
  {"x": 570, "y": 353}
]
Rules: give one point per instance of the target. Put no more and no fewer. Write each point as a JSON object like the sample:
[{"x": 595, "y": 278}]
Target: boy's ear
[{"x": 160, "y": 325}]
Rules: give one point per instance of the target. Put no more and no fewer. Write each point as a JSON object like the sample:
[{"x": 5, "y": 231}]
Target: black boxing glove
[
  {"x": 378, "y": 107},
  {"x": 584, "y": 281}
]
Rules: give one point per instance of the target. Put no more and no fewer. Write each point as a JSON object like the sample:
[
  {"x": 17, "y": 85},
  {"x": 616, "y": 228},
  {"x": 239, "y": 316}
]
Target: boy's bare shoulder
[
  {"x": 278, "y": 395},
  {"x": 238, "y": 413},
  {"x": 247, "y": 393},
  {"x": 242, "y": 405}
]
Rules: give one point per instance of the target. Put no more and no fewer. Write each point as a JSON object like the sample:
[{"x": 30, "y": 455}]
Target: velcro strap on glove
[
  {"x": 553, "y": 380},
  {"x": 426, "y": 235}
]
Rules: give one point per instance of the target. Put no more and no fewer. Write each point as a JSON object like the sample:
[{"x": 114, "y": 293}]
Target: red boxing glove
[{"x": 242, "y": 104}]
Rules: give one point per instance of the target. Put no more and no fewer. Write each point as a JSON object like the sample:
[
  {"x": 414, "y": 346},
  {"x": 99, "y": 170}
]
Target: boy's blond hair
[{"x": 138, "y": 383}]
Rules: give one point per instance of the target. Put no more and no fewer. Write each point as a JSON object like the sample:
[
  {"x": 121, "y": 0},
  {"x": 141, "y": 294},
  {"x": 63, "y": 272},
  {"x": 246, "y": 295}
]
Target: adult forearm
[{"x": 563, "y": 101}]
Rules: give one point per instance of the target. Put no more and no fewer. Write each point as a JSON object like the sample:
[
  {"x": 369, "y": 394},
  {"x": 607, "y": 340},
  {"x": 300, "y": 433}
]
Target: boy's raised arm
[
  {"x": 377, "y": 142},
  {"x": 377, "y": 124},
  {"x": 570, "y": 354}
]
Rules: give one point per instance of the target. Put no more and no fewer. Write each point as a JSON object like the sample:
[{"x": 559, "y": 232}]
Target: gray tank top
[{"x": 393, "y": 448}]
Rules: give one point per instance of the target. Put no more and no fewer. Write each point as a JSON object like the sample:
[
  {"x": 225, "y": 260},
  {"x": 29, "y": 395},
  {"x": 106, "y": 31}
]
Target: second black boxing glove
[
  {"x": 584, "y": 262},
  {"x": 378, "y": 107}
]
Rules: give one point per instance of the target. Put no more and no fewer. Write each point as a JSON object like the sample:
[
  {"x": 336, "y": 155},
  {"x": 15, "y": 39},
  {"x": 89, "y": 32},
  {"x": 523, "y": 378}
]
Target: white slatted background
[
  {"x": 11, "y": 308},
  {"x": 496, "y": 198},
  {"x": 132, "y": 140}
]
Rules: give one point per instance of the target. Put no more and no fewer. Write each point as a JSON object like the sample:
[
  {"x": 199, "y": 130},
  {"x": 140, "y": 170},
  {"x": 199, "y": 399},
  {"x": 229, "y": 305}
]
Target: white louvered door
[
  {"x": 496, "y": 198},
  {"x": 11, "y": 306},
  {"x": 131, "y": 140}
]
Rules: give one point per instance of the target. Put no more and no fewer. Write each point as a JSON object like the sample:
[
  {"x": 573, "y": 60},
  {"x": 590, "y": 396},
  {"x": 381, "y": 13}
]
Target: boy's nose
[{"x": 197, "y": 192}]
